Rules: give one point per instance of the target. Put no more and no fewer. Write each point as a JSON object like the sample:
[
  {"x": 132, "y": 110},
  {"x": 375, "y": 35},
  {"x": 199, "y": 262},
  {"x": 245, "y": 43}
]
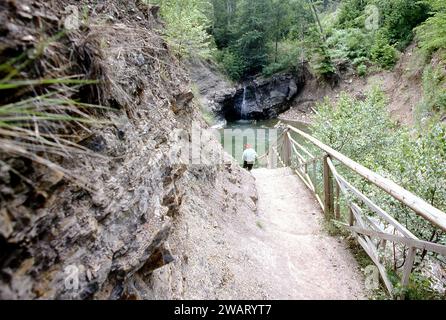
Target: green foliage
[
  {"x": 399, "y": 18},
  {"x": 346, "y": 127},
  {"x": 259, "y": 35},
  {"x": 434, "y": 89},
  {"x": 186, "y": 26},
  {"x": 232, "y": 64},
  {"x": 420, "y": 287},
  {"x": 363, "y": 131},
  {"x": 253, "y": 27},
  {"x": 382, "y": 53},
  {"x": 362, "y": 70},
  {"x": 351, "y": 39},
  {"x": 224, "y": 20},
  {"x": 360, "y": 61},
  {"x": 256, "y": 35},
  {"x": 321, "y": 60},
  {"x": 352, "y": 43},
  {"x": 289, "y": 53},
  {"x": 351, "y": 14},
  {"x": 431, "y": 34}
]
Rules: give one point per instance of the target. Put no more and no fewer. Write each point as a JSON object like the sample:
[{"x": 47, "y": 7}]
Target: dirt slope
[{"x": 402, "y": 85}]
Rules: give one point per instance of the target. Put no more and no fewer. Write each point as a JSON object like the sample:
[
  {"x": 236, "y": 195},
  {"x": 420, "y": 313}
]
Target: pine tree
[
  {"x": 253, "y": 33},
  {"x": 187, "y": 22}
]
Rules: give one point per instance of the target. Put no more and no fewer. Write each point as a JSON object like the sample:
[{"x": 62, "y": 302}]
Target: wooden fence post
[
  {"x": 338, "y": 202},
  {"x": 328, "y": 190},
  {"x": 408, "y": 265},
  {"x": 287, "y": 151},
  {"x": 351, "y": 217}
]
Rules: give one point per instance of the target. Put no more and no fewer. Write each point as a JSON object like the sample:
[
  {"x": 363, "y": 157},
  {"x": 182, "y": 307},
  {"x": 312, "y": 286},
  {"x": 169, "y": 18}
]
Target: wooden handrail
[
  {"x": 299, "y": 146},
  {"x": 372, "y": 206},
  {"x": 418, "y": 205},
  {"x": 363, "y": 228}
]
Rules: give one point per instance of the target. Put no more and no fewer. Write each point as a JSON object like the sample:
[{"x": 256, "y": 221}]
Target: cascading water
[{"x": 243, "y": 111}]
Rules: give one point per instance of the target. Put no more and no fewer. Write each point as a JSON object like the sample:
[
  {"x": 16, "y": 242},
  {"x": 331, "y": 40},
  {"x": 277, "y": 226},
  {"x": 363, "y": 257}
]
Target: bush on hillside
[
  {"x": 431, "y": 34},
  {"x": 382, "y": 53},
  {"x": 399, "y": 18},
  {"x": 349, "y": 44},
  {"x": 289, "y": 55},
  {"x": 434, "y": 89},
  {"x": 362, "y": 70},
  {"x": 364, "y": 131},
  {"x": 232, "y": 63}
]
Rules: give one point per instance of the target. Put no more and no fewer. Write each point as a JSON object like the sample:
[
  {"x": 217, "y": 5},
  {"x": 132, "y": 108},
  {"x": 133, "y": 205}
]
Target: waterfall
[{"x": 243, "y": 108}]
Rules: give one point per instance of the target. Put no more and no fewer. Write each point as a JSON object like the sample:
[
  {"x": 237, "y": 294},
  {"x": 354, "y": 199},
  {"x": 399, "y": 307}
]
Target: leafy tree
[
  {"x": 301, "y": 19},
  {"x": 321, "y": 60},
  {"x": 432, "y": 33},
  {"x": 382, "y": 52},
  {"x": 281, "y": 20},
  {"x": 253, "y": 25},
  {"x": 232, "y": 63},
  {"x": 186, "y": 26},
  {"x": 400, "y": 17},
  {"x": 434, "y": 90},
  {"x": 349, "y": 43},
  {"x": 224, "y": 18},
  {"x": 364, "y": 131},
  {"x": 351, "y": 14}
]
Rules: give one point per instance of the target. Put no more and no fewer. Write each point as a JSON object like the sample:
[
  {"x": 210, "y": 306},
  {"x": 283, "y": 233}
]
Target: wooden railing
[{"x": 306, "y": 165}]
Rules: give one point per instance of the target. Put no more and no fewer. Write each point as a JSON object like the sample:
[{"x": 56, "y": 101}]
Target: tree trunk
[
  {"x": 277, "y": 49},
  {"x": 316, "y": 18}
]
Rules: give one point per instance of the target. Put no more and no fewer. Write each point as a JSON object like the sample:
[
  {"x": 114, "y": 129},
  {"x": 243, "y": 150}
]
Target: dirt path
[{"x": 299, "y": 260}]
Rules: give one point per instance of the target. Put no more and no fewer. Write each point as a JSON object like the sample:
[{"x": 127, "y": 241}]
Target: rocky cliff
[
  {"x": 257, "y": 98},
  {"x": 140, "y": 226},
  {"x": 263, "y": 98}
]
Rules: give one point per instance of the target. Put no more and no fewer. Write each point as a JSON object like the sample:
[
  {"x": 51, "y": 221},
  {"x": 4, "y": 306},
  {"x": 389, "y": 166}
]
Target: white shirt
[{"x": 249, "y": 155}]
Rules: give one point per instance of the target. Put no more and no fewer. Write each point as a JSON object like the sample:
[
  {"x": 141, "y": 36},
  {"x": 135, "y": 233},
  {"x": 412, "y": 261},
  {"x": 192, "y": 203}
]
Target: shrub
[
  {"x": 351, "y": 14},
  {"x": 232, "y": 64},
  {"x": 321, "y": 60},
  {"x": 432, "y": 33},
  {"x": 349, "y": 44},
  {"x": 186, "y": 27},
  {"x": 364, "y": 131},
  {"x": 289, "y": 55},
  {"x": 362, "y": 70},
  {"x": 399, "y": 17},
  {"x": 383, "y": 53},
  {"x": 434, "y": 89},
  {"x": 361, "y": 60}
]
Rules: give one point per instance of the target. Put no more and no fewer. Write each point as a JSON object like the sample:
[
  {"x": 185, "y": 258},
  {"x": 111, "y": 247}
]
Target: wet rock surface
[
  {"x": 254, "y": 99},
  {"x": 262, "y": 98}
]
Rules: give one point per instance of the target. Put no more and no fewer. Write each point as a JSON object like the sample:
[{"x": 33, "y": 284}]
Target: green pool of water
[{"x": 259, "y": 134}]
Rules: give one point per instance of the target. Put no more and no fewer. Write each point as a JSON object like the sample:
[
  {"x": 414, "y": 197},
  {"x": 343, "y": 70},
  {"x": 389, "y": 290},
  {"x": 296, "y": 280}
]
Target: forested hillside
[{"x": 247, "y": 37}]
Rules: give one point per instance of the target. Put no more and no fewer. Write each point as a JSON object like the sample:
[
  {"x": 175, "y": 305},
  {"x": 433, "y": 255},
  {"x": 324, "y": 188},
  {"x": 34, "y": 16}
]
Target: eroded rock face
[
  {"x": 131, "y": 231},
  {"x": 262, "y": 98}
]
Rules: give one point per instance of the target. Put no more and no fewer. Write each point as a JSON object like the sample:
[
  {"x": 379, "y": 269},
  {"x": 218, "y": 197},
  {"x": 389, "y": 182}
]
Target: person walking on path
[{"x": 249, "y": 157}]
